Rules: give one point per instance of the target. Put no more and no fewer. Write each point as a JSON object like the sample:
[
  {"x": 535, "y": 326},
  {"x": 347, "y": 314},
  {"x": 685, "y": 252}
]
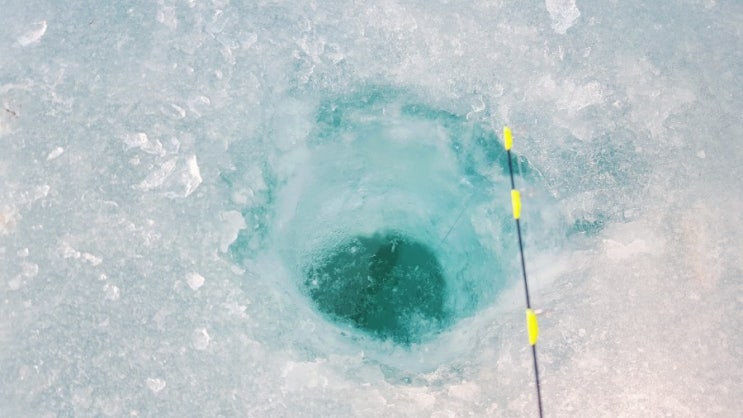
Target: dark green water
[{"x": 386, "y": 284}]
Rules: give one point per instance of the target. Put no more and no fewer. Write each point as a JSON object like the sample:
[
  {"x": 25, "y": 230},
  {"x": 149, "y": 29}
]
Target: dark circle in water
[{"x": 388, "y": 285}]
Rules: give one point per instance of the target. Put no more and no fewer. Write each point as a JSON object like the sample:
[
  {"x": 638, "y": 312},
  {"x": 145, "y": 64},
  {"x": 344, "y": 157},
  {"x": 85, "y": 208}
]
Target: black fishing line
[{"x": 531, "y": 318}]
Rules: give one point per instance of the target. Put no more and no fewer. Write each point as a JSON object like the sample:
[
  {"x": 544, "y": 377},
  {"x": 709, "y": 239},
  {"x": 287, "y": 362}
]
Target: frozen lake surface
[{"x": 185, "y": 184}]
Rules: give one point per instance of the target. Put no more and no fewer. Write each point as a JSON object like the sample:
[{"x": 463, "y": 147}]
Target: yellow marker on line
[
  {"x": 532, "y": 326},
  {"x": 516, "y": 203},
  {"x": 507, "y": 138}
]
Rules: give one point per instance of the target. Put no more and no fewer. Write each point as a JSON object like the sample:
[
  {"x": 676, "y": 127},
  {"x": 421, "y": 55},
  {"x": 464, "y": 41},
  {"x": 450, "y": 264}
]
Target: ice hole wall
[{"x": 392, "y": 218}]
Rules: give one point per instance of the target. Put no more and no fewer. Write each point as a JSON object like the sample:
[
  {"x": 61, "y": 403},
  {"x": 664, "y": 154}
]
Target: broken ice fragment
[
  {"x": 232, "y": 223},
  {"x": 194, "y": 280},
  {"x": 157, "y": 177},
  {"x": 34, "y": 35},
  {"x": 200, "y": 339},
  {"x": 155, "y": 384},
  {"x": 563, "y": 13},
  {"x": 111, "y": 292},
  {"x": 56, "y": 152},
  {"x": 177, "y": 177}
]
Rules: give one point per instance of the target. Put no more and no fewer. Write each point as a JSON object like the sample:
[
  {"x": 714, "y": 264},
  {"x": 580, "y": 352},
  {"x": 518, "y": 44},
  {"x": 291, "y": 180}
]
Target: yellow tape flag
[
  {"x": 516, "y": 203},
  {"x": 531, "y": 326},
  {"x": 507, "y": 138}
]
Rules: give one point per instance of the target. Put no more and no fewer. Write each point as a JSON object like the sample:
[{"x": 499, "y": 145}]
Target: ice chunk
[
  {"x": 158, "y": 177},
  {"x": 56, "y": 152},
  {"x": 194, "y": 280},
  {"x": 198, "y": 105},
  {"x": 191, "y": 176},
  {"x": 155, "y": 384},
  {"x": 34, "y": 35},
  {"x": 40, "y": 192},
  {"x": 111, "y": 292},
  {"x": 65, "y": 250},
  {"x": 177, "y": 177},
  {"x": 200, "y": 339},
  {"x": 8, "y": 218},
  {"x": 91, "y": 259},
  {"x": 143, "y": 142},
  {"x": 232, "y": 223},
  {"x": 563, "y": 13}
]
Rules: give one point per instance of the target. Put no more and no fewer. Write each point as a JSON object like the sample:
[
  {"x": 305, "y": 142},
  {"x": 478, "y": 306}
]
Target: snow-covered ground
[{"x": 155, "y": 155}]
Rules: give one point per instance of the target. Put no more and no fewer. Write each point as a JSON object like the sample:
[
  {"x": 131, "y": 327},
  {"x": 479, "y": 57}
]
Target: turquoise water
[{"x": 380, "y": 168}]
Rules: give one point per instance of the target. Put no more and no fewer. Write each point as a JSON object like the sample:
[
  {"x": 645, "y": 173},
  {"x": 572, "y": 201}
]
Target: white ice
[{"x": 122, "y": 126}]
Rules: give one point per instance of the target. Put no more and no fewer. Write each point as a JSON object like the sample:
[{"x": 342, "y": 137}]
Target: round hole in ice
[
  {"x": 388, "y": 217},
  {"x": 387, "y": 284}
]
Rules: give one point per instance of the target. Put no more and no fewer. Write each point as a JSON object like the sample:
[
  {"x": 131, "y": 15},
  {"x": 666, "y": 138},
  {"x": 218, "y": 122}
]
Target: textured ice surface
[{"x": 139, "y": 140}]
